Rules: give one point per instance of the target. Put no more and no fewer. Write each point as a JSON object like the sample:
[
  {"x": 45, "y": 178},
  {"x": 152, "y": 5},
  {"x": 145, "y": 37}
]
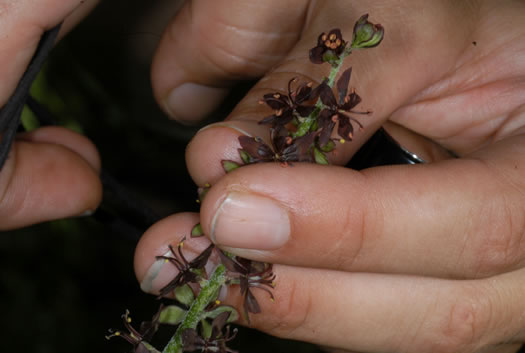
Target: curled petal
[
  {"x": 342, "y": 84},
  {"x": 345, "y": 129},
  {"x": 326, "y": 124}
]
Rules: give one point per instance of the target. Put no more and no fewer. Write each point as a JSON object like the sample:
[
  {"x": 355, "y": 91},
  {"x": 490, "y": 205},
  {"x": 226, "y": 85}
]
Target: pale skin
[{"x": 405, "y": 259}]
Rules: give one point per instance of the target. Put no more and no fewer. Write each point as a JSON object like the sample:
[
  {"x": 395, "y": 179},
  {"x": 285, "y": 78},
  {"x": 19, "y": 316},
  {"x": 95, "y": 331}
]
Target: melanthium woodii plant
[{"x": 302, "y": 127}]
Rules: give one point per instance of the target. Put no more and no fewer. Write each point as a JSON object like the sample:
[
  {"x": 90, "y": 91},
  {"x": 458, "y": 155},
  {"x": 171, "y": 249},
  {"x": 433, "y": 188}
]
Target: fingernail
[
  {"x": 248, "y": 221},
  {"x": 161, "y": 272},
  {"x": 86, "y": 213},
  {"x": 228, "y": 125},
  {"x": 191, "y": 102}
]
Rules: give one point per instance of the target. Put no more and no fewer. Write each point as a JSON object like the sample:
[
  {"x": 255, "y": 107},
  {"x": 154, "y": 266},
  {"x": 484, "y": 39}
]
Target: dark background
[{"x": 64, "y": 283}]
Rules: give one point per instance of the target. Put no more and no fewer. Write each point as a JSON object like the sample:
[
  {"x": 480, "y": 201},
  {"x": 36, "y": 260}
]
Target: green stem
[
  {"x": 307, "y": 123},
  {"x": 207, "y": 294}
]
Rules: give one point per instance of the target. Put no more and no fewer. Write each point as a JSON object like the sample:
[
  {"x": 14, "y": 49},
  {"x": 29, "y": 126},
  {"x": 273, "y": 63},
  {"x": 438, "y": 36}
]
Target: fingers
[
  {"x": 456, "y": 218},
  {"x": 25, "y": 21},
  {"x": 363, "y": 312},
  {"x": 51, "y": 173},
  {"x": 211, "y": 44},
  {"x": 383, "y": 84}
]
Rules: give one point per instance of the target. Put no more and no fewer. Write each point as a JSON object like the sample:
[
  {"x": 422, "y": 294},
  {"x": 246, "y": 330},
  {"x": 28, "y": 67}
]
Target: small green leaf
[
  {"x": 246, "y": 158},
  {"x": 197, "y": 231},
  {"x": 234, "y": 314},
  {"x": 329, "y": 146},
  {"x": 319, "y": 156},
  {"x": 229, "y": 165},
  {"x": 184, "y": 294},
  {"x": 172, "y": 315},
  {"x": 206, "y": 329}
]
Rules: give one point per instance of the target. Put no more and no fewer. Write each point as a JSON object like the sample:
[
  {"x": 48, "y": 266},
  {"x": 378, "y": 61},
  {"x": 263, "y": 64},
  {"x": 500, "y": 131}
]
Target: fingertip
[
  {"x": 42, "y": 182},
  {"x": 61, "y": 136},
  {"x": 152, "y": 273},
  {"x": 215, "y": 143}
]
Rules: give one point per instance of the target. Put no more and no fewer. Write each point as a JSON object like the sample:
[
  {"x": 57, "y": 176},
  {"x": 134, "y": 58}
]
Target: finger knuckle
[
  {"x": 461, "y": 323},
  {"x": 289, "y": 313},
  {"x": 499, "y": 238}
]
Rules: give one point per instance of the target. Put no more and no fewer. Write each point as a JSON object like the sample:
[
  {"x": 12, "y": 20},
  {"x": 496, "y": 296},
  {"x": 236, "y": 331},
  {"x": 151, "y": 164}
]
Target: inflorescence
[{"x": 302, "y": 125}]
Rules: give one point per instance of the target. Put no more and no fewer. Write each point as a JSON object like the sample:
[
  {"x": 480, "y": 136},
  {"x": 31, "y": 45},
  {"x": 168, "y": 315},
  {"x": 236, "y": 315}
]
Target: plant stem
[
  {"x": 307, "y": 123},
  {"x": 207, "y": 294}
]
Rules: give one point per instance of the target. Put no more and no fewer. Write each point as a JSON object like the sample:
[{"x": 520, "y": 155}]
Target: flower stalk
[{"x": 208, "y": 294}]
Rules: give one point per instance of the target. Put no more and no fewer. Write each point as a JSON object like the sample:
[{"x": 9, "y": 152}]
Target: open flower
[
  {"x": 285, "y": 106},
  {"x": 188, "y": 271},
  {"x": 334, "y": 110},
  {"x": 216, "y": 343},
  {"x": 139, "y": 338},
  {"x": 284, "y": 149},
  {"x": 329, "y": 47},
  {"x": 249, "y": 274}
]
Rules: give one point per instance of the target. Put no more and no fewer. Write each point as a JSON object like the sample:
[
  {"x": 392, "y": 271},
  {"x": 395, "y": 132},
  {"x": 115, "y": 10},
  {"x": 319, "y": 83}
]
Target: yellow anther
[
  {"x": 128, "y": 320},
  {"x": 272, "y": 300},
  {"x": 117, "y": 333},
  {"x": 207, "y": 185},
  {"x": 342, "y": 141},
  {"x": 166, "y": 261},
  {"x": 218, "y": 302},
  {"x": 198, "y": 201}
]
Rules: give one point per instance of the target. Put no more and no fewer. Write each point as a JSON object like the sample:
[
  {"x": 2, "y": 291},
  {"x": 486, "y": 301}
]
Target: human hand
[
  {"x": 52, "y": 172},
  {"x": 405, "y": 258}
]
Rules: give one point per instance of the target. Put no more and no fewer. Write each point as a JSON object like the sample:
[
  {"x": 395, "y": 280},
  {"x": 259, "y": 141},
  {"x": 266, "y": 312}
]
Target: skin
[
  {"x": 51, "y": 173},
  {"x": 405, "y": 259},
  {"x": 424, "y": 258}
]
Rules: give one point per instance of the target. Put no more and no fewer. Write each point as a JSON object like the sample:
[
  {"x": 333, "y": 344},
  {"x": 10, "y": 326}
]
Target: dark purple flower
[
  {"x": 329, "y": 47},
  {"x": 139, "y": 338},
  {"x": 250, "y": 274},
  {"x": 286, "y": 105},
  {"x": 188, "y": 271},
  {"x": 216, "y": 343},
  {"x": 334, "y": 111},
  {"x": 284, "y": 149}
]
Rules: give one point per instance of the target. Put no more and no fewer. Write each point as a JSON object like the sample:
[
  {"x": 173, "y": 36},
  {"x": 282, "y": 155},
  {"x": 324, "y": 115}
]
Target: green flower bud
[{"x": 367, "y": 34}]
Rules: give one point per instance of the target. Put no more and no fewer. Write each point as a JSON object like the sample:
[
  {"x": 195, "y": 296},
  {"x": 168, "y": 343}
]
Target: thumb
[{"x": 385, "y": 77}]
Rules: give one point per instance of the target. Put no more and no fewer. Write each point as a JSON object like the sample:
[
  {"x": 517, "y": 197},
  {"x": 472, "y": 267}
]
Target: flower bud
[{"x": 367, "y": 34}]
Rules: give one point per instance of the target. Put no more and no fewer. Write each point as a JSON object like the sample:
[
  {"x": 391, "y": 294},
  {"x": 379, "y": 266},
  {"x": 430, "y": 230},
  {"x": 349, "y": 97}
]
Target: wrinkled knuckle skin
[
  {"x": 500, "y": 244},
  {"x": 461, "y": 324},
  {"x": 288, "y": 315}
]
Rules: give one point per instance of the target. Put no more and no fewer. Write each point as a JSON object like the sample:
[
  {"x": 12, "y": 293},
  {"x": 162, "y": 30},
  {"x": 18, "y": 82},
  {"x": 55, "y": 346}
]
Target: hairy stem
[{"x": 207, "y": 294}]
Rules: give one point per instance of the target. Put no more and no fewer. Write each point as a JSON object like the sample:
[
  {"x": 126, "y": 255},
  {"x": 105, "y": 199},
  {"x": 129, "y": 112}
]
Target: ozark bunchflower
[
  {"x": 139, "y": 339},
  {"x": 188, "y": 272},
  {"x": 210, "y": 340},
  {"x": 302, "y": 126},
  {"x": 249, "y": 274}
]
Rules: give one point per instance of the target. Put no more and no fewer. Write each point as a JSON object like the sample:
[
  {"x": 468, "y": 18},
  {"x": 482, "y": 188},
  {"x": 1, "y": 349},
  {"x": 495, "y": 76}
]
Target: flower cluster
[{"x": 306, "y": 123}]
